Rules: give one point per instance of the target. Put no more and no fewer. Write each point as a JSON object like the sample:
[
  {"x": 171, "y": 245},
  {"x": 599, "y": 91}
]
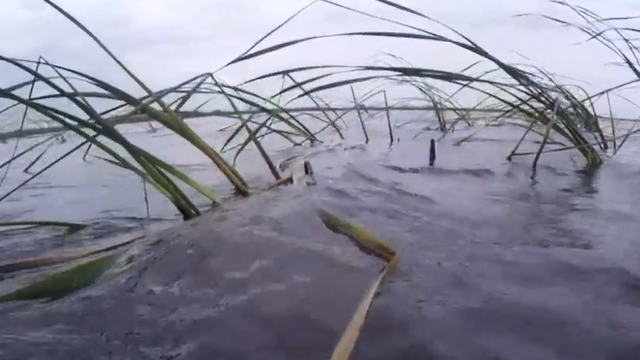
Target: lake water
[
  {"x": 492, "y": 264},
  {"x": 486, "y": 228}
]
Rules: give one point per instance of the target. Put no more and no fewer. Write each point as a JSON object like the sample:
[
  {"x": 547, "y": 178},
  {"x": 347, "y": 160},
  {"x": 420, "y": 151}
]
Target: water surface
[
  {"x": 493, "y": 265},
  {"x": 546, "y": 267}
]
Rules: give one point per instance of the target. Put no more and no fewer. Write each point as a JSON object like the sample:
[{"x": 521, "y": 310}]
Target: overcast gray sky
[{"x": 167, "y": 41}]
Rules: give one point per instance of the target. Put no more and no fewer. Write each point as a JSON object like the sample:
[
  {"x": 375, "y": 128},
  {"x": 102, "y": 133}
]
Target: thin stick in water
[
  {"x": 432, "y": 152},
  {"x": 547, "y": 134},
  {"x": 386, "y": 106},
  {"x": 355, "y": 103},
  {"x": 22, "y": 121},
  {"x": 308, "y": 170},
  {"x": 146, "y": 198},
  {"x": 613, "y": 126}
]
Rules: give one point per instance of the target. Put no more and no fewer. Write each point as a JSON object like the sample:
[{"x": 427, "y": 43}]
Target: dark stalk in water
[
  {"x": 146, "y": 198},
  {"x": 364, "y": 128},
  {"x": 386, "y": 105},
  {"x": 432, "y": 152},
  {"x": 308, "y": 170}
]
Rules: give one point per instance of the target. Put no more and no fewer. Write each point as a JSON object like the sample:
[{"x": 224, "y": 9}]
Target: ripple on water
[{"x": 439, "y": 171}]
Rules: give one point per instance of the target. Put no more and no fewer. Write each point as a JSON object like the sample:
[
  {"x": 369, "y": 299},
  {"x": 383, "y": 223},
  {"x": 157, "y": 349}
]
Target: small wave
[
  {"x": 407, "y": 170},
  {"x": 480, "y": 140},
  {"x": 477, "y": 173},
  {"x": 48, "y": 186},
  {"x": 192, "y": 167},
  {"x": 340, "y": 193},
  {"x": 136, "y": 219},
  {"x": 365, "y": 176},
  {"x": 399, "y": 191}
]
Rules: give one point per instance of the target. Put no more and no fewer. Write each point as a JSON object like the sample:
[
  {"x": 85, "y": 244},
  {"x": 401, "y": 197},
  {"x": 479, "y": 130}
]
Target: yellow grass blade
[
  {"x": 350, "y": 335},
  {"x": 370, "y": 244},
  {"x": 364, "y": 239}
]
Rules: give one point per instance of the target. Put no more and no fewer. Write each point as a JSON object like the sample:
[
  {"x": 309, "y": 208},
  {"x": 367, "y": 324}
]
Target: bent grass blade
[
  {"x": 61, "y": 284},
  {"x": 370, "y": 244},
  {"x": 49, "y": 260},
  {"x": 70, "y": 226}
]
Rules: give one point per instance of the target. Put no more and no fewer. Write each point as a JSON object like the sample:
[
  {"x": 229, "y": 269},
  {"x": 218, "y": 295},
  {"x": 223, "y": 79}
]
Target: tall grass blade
[
  {"x": 613, "y": 125},
  {"x": 21, "y": 127},
  {"x": 33, "y": 162},
  {"x": 324, "y": 109},
  {"x": 349, "y": 337},
  {"x": 252, "y": 137},
  {"x": 271, "y": 32},
  {"x": 167, "y": 117},
  {"x": 26, "y": 151},
  {"x": 547, "y": 133},
  {"x": 357, "y": 106},
  {"x": 386, "y": 105}
]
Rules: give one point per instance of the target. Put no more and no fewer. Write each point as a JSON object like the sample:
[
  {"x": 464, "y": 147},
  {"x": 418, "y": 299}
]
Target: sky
[{"x": 164, "y": 43}]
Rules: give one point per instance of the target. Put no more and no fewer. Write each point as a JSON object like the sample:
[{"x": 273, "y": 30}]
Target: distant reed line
[{"x": 141, "y": 118}]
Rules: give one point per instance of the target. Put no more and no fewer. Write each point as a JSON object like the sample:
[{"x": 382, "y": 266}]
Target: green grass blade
[
  {"x": 71, "y": 227},
  {"x": 63, "y": 283}
]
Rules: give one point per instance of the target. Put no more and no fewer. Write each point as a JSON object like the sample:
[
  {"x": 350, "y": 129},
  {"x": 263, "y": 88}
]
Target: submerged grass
[
  {"x": 58, "y": 285},
  {"x": 70, "y": 227},
  {"x": 49, "y": 260}
]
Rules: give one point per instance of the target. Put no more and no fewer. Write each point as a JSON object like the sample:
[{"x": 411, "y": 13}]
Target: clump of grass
[
  {"x": 77, "y": 94},
  {"x": 97, "y": 128},
  {"x": 530, "y": 95}
]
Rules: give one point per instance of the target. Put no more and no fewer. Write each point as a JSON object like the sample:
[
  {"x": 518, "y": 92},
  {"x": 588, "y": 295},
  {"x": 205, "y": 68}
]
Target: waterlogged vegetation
[
  {"x": 564, "y": 117},
  {"x": 62, "y": 283}
]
